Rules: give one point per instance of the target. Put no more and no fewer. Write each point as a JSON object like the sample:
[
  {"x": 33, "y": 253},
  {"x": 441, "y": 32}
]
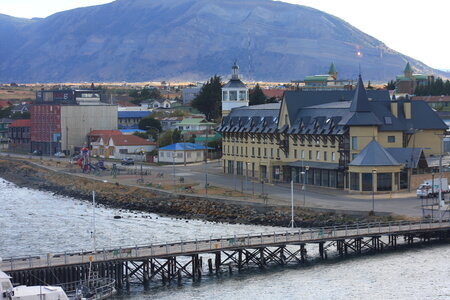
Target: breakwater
[{"x": 116, "y": 195}]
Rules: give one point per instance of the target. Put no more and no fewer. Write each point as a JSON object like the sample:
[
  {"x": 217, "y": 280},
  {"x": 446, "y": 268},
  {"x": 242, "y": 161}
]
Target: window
[
  {"x": 354, "y": 181},
  {"x": 179, "y": 155},
  {"x": 233, "y": 96},
  {"x": 278, "y": 153},
  {"x": 242, "y": 95},
  {"x": 188, "y": 155},
  {"x": 253, "y": 151},
  {"x": 391, "y": 139},
  {"x": 317, "y": 155},
  {"x": 161, "y": 154},
  {"x": 259, "y": 152},
  {"x": 271, "y": 153},
  {"x": 199, "y": 154},
  {"x": 123, "y": 151},
  {"x": 317, "y": 140},
  {"x": 310, "y": 154},
  {"x": 387, "y": 120},
  {"x": 325, "y": 155},
  {"x": 295, "y": 153},
  {"x": 265, "y": 152},
  {"x": 354, "y": 143},
  {"x": 333, "y": 156},
  {"x": 303, "y": 154}
]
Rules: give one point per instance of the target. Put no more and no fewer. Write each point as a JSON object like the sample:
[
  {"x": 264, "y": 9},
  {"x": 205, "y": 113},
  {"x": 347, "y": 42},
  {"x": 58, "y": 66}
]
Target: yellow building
[{"x": 316, "y": 137}]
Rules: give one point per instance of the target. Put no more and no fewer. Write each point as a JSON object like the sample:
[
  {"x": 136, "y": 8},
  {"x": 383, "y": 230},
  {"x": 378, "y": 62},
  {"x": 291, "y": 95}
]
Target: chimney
[
  {"x": 394, "y": 108},
  {"x": 407, "y": 109}
]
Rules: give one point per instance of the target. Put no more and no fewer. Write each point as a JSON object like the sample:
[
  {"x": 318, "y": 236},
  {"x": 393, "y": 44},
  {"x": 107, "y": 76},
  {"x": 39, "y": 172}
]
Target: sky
[{"x": 416, "y": 28}]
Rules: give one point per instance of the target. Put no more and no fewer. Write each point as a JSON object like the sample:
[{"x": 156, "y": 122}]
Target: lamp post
[
  {"x": 304, "y": 185},
  {"x": 374, "y": 174}
]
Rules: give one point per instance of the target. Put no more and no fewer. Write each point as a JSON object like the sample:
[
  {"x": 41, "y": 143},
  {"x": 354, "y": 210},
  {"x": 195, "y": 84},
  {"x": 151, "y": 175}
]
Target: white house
[
  {"x": 121, "y": 146},
  {"x": 182, "y": 153}
]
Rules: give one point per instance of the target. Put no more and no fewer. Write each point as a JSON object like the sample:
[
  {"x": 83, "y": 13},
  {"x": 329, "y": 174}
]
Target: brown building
[
  {"x": 19, "y": 136},
  {"x": 407, "y": 83}
]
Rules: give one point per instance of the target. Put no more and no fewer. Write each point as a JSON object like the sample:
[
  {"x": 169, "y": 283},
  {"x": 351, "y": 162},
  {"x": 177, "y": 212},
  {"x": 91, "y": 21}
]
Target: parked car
[
  {"x": 37, "y": 153},
  {"x": 59, "y": 154},
  {"x": 127, "y": 161}
]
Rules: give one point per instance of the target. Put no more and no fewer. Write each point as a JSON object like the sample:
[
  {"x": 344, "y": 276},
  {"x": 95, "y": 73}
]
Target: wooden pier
[{"x": 168, "y": 262}]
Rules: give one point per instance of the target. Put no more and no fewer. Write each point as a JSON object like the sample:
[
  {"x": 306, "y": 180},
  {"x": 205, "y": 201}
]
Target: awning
[{"x": 314, "y": 164}]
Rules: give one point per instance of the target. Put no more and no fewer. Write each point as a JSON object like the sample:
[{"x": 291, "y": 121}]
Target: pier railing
[{"x": 208, "y": 245}]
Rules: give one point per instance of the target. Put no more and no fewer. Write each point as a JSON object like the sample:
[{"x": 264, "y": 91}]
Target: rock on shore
[{"x": 26, "y": 174}]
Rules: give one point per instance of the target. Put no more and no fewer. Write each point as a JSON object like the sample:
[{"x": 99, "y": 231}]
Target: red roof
[
  {"x": 104, "y": 132},
  {"x": 277, "y": 93},
  {"x": 5, "y": 103},
  {"x": 21, "y": 123},
  {"x": 130, "y": 140}
]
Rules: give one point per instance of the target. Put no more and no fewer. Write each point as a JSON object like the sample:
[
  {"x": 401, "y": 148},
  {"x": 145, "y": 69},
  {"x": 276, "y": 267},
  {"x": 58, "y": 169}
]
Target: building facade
[
  {"x": 182, "y": 153},
  {"x": 407, "y": 83},
  {"x": 61, "y": 120},
  {"x": 314, "y": 136},
  {"x": 19, "y": 136}
]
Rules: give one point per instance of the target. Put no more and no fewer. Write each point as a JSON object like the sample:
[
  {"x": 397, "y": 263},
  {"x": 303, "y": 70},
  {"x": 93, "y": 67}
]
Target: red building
[
  {"x": 19, "y": 136},
  {"x": 46, "y": 128}
]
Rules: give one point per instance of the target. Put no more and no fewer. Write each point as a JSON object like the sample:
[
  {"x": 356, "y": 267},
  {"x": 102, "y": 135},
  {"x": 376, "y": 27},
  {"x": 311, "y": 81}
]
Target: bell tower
[{"x": 234, "y": 93}]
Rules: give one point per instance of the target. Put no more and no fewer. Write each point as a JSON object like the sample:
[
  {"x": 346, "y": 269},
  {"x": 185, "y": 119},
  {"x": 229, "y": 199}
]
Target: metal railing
[{"x": 220, "y": 243}]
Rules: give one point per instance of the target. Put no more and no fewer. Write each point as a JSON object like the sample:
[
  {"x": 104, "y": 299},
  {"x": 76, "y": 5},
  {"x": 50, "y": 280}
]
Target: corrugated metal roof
[
  {"x": 133, "y": 114},
  {"x": 184, "y": 146}
]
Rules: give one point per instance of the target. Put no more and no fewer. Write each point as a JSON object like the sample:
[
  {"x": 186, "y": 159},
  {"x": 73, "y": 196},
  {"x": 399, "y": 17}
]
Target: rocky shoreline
[{"x": 26, "y": 174}]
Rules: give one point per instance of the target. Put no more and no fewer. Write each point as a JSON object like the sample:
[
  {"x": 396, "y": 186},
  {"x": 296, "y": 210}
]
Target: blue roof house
[{"x": 182, "y": 153}]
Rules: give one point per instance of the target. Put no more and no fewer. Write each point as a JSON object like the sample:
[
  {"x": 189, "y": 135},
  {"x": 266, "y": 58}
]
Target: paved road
[{"x": 280, "y": 194}]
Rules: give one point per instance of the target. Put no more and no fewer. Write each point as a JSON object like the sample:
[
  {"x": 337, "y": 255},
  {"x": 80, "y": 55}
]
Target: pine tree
[
  {"x": 256, "y": 96},
  {"x": 209, "y": 99}
]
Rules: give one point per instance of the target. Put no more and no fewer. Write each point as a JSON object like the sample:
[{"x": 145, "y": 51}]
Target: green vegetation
[
  {"x": 169, "y": 137},
  {"x": 390, "y": 86},
  {"x": 208, "y": 101},
  {"x": 434, "y": 88},
  {"x": 256, "y": 96},
  {"x": 145, "y": 93}
]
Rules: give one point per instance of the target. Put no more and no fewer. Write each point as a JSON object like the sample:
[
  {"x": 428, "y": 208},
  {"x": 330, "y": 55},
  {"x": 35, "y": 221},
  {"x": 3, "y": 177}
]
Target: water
[{"x": 35, "y": 222}]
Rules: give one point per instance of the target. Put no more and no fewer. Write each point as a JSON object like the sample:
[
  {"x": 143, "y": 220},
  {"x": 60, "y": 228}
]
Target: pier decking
[{"x": 175, "y": 260}]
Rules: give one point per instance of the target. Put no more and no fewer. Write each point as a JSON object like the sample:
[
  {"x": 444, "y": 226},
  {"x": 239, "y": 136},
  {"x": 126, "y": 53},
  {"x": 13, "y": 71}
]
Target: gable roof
[
  {"x": 21, "y": 123},
  {"x": 374, "y": 155},
  {"x": 235, "y": 83},
  {"x": 410, "y": 157},
  {"x": 129, "y": 140}
]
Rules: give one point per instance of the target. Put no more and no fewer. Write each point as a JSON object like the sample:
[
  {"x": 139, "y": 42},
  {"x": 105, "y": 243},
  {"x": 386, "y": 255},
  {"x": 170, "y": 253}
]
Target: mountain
[{"x": 143, "y": 40}]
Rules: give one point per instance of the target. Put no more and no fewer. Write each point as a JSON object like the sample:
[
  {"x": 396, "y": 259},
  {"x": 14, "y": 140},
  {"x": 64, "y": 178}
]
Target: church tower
[{"x": 234, "y": 93}]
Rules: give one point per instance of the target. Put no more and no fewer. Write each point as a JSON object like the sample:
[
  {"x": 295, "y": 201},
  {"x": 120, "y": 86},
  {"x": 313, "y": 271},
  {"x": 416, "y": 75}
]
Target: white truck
[{"x": 430, "y": 188}]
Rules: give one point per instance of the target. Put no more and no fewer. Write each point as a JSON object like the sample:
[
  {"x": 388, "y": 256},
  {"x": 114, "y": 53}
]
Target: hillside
[{"x": 137, "y": 40}]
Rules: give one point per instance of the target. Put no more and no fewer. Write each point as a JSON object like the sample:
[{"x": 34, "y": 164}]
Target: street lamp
[
  {"x": 374, "y": 174},
  {"x": 304, "y": 185}
]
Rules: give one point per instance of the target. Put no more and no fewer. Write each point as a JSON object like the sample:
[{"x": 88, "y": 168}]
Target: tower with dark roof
[{"x": 234, "y": 93}]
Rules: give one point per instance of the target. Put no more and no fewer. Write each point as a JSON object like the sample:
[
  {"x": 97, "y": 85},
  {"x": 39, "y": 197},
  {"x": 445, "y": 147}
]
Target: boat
[
  {"x": 23, "y": 292},
  {"x": 94, "y": 288}
]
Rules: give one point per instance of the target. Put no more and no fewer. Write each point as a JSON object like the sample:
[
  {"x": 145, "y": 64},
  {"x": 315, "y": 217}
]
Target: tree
[
  {"x": 143, "y": 135},
  {"x": 145, "y": 93},
  {"x": 390, "y": 86},
  {"x": 19, "y": 115},
  {"x": 5, "y": 112},
  {"x": 256, "y": 96},
  {"x": 169, "y": 137},
  {"x": 209, "y": 99},
  {"x": 149, "y": 124},
  {"x": 369, "y": 86},
  {"x": 272, "y": 100}
]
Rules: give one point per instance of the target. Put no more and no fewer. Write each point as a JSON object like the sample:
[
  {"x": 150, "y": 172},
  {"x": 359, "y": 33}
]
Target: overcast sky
[{"x": 413, "y": 27}]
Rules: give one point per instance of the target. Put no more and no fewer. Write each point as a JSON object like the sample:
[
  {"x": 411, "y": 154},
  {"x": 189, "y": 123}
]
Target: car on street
[
  {"x": 127, "y": 161},
  {"x": 37, "y": 152},
  {"x": 59, "y": 154}
]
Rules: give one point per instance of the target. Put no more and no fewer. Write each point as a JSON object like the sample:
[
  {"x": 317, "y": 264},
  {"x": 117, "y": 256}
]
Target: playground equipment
[{"x": 86, "y": 165}]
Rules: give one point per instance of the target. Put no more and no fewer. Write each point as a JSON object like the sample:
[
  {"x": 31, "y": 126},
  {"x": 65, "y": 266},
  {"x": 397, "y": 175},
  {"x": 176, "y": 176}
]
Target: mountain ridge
[{"x": 141, "y": 40}]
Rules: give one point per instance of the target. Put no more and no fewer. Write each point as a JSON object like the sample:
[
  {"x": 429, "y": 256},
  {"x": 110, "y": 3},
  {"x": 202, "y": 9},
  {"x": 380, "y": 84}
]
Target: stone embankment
[{"x": 26, "y": 174}]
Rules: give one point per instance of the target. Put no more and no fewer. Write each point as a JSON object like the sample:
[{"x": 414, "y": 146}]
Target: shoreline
[{"x": 27, "y": 174}]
